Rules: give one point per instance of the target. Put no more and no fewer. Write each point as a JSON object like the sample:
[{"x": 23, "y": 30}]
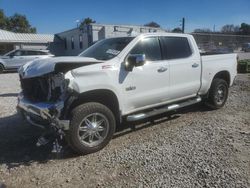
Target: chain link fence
[{"x": 222, "y": 43}]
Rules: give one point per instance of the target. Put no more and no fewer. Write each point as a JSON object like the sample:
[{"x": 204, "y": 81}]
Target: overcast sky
[{"x": 53, "y": 16}]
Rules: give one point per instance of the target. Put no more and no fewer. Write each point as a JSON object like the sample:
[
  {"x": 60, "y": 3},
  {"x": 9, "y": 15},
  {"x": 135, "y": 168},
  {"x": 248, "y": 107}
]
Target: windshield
[
  {"x": 10, "y": 52},
  {"x": 107, "y": 49}
]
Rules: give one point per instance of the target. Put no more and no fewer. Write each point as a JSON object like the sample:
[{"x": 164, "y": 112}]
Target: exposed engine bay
[{"x": 47, "y": 88}]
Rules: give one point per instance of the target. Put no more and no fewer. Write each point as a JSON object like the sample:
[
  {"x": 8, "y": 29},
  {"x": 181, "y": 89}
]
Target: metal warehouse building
[
  {"x": 76, "y": 40},
  {"x": 10, "y": 41}
]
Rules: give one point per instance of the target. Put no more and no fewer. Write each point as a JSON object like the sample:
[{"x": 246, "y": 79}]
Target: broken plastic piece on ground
[
  {"x": 57, "y": 148},
  {"x": 42, "y": 141}
]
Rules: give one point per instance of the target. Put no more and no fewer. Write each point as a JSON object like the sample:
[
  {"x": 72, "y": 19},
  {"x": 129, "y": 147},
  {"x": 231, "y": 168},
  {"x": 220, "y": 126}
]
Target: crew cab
[
  {"x": 120, "y": 79},
  {"x": 16, "y": 58}
]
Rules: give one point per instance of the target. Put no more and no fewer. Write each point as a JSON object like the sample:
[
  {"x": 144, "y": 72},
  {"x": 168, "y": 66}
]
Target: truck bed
[{"x": 211, "y": 64}]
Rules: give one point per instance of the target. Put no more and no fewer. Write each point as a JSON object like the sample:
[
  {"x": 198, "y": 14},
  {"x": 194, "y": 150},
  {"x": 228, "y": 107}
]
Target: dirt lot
[{"x": 195, "y": 148}]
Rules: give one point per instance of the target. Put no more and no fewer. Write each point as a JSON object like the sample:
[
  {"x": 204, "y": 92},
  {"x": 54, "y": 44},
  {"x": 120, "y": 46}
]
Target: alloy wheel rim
[
  {"x": 93, "y": 129},
  {"x": 220, "y": 94}
]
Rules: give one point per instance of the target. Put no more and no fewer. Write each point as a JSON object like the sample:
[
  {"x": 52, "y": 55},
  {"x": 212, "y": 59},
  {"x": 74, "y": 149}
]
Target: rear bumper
[{"x": 42, "y": 114}]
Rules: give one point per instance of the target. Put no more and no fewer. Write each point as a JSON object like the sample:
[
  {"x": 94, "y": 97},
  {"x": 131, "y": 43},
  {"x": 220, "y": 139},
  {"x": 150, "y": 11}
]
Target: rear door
[{"x": 184, "y": 67}]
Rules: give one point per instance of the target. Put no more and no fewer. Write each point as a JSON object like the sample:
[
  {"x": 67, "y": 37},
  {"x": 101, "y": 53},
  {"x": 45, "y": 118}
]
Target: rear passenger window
[
  {"x": 150, "y": 47},
  {"x": 31, "y": 53},
  {"x": 42, "y": 53},
  {"x": 23, "y": 53},
  {"x": 17, "y": 53},
  {"x": 175, "y": 47}
]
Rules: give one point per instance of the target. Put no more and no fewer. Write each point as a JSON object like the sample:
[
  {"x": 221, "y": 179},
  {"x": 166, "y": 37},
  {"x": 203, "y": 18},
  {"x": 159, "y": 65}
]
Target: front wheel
[
  {"x": 91, "y": 128},
  {"x": 218, "y": 94}
]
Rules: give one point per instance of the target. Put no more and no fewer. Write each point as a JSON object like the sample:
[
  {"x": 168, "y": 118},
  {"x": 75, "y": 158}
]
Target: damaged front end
[
  {"x": 46, "y": 95},
  {"x": 42, "y": 100}
]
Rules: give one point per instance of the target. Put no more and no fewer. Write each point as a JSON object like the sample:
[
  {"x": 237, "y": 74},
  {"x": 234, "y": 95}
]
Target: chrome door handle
[
  {"x": 162, "y": 69},
  {"x": 195, "y": 65}
]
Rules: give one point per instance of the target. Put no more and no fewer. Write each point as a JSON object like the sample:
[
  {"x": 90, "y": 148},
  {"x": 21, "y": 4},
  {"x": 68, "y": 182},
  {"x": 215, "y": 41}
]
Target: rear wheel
[
  {"x": 218, "y": 94},
  {"x": 92, "y": 127}
]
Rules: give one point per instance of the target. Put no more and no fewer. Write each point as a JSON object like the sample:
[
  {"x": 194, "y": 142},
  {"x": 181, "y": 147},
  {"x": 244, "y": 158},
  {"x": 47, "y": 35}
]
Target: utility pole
[{"x": 183, "y": 25}]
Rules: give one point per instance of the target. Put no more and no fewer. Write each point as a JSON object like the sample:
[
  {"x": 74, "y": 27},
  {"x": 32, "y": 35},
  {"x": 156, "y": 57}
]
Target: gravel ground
[
  {"x": 244, "y": 55},
  {"x": 194, "y": 148}
]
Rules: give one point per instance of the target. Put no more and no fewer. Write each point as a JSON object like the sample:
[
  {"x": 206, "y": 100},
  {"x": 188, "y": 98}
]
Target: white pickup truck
[{"x": 120, "y": 79}]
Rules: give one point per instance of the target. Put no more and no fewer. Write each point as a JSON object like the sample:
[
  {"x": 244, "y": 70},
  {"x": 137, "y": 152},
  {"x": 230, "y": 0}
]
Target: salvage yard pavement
[{"x": 194, "y": 148}]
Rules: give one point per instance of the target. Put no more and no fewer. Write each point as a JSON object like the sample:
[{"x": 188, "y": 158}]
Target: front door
[{"x": 146, "y": 85}]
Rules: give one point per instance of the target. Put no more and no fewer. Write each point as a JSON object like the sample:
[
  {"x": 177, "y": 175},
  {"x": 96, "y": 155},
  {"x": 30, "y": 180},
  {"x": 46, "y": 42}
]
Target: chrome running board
[{"x": 140, "y": 116}]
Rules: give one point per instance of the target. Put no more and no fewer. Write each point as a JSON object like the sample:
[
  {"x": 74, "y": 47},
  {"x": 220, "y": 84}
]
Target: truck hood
[{"x": 56, "y": 64}]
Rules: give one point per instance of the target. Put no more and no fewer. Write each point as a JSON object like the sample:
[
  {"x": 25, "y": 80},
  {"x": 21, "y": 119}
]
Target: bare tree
[{"x": 230, "y": 28}]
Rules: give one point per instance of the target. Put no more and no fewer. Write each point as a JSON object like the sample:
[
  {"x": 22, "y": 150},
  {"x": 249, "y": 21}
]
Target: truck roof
[
  {"x": 165, "y": 34},
  {"x": 154, "y": 34}
]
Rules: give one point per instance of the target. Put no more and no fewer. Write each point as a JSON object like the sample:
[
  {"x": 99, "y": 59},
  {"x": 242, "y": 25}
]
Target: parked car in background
[
  {"x": 16, "y": 58},
  {"x": 246, "y": 47}
]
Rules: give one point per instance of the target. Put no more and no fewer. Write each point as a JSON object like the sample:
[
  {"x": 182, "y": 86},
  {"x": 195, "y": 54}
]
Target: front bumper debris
[{"x": 42, "y": 114}]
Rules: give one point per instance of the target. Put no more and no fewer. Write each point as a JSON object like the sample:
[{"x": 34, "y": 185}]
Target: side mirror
[{"x": 134, "y": 60}]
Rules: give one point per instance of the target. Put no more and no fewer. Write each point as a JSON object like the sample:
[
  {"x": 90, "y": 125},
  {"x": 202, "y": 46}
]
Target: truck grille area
[
  {"x": 35, "y": 89},
  {"x": 50, "y": 88}
]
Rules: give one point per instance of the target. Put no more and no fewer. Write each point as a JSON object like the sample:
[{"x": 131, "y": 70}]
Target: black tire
[
  {"x": 1, "y": 68},
  {"x": 81, "y": 113},
  {"x": 218, "y": 94}
]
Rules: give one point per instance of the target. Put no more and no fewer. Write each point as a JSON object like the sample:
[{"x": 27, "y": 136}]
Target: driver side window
[{"x": 150, "y": 47}]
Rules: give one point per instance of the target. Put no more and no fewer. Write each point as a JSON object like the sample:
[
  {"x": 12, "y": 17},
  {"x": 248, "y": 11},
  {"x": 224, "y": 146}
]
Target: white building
[
  {"x": 76, "y": 40},
  {"x": 10, "y": 41}
]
